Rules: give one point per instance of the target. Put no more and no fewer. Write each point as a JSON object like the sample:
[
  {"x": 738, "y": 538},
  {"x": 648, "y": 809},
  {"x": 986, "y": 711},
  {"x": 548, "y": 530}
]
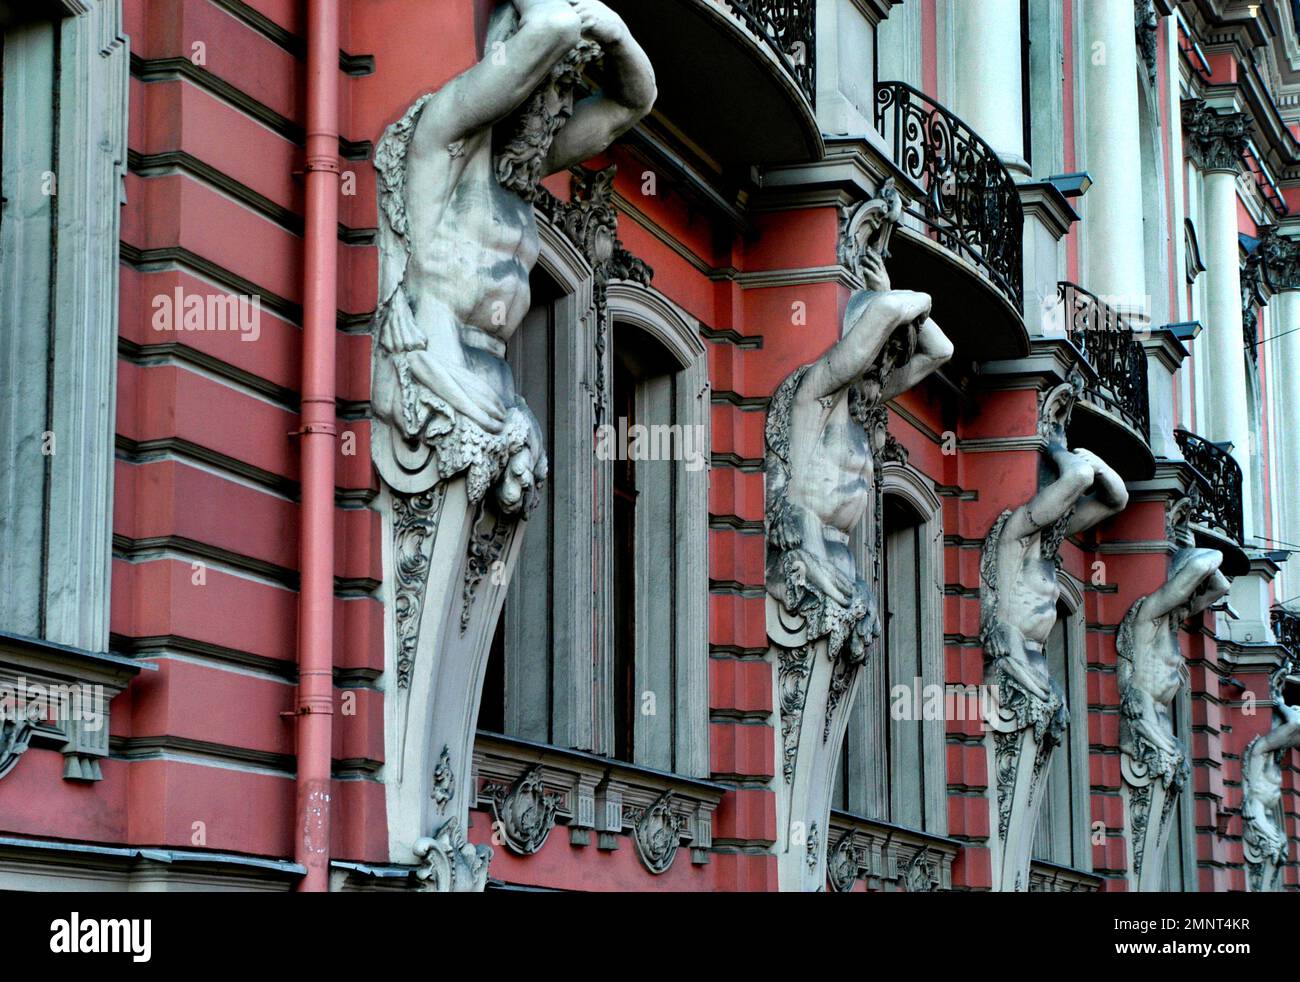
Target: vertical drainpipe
[{"x": 315, "y": 706}]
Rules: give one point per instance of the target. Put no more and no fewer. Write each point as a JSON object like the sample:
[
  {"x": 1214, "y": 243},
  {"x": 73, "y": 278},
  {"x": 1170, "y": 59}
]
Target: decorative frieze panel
[
  {"x": 1151, "y": 671},
  {"x": 532, "y": 788},
  {"x": 1019, "y": 590},
  {"x": 826, "y": 441},
  {"x": 887, "y": 858},
  {"x": 1050, "y": 878}
]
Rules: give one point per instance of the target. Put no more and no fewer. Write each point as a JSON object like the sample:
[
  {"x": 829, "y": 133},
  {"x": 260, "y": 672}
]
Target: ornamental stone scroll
[{"x": 460, "y": 455}]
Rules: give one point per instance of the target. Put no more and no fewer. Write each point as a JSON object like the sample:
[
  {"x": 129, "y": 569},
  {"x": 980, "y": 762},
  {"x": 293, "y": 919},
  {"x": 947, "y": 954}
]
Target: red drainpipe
[{"x": 315, "y": 708}]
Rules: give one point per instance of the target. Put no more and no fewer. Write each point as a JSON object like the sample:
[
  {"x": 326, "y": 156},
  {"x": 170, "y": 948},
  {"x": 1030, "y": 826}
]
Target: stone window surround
[
  {"x": 582, "y": 717},
  {"x": 910, "y": 486},
  {"x": 1076, "y": 687},
  {"x": 71, "y": 242}
]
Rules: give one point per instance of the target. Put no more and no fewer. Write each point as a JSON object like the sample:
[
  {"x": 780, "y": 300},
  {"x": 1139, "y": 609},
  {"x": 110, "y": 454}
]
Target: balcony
[
  {"x": 1286, "y": 628},
  {"x": 1113, "y": 418},
  {"x": 963, "y": 206},
  {"x": 1217, "y": 512},
  {"x": 737, "y": 78}
]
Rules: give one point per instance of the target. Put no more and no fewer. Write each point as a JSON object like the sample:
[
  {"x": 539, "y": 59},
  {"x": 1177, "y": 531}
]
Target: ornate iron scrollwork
[
  {"x": 1105, "y": 337},
  {"x": 969, "y": 202},
  {"x": 790, "y": 29},
  {"x": 1219, "y": 504}
]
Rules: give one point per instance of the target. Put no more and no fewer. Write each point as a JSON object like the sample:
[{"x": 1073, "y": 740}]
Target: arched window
[
  {"x": 1062, "y": 834},
  {"x": 892, "y": 765},
  {"x": 603, "y": 642},
  {"x": 1180, "y": 854}
]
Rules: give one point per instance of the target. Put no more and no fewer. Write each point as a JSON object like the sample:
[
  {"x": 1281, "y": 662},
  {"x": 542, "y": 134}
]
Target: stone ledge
[
  {"x": 590, "y": 794},
  {"x": 888, "y": 857}
]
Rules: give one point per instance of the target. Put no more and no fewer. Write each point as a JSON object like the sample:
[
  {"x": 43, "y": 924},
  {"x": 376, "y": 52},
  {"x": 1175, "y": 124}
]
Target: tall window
[
  {"x": 603, "y": 641},
  {"x": 63, "y": 107},
  {"x": 1062, "y": 834},
  {"x": 1180, "y": 854},
  {"x": 892, "y": 765}
]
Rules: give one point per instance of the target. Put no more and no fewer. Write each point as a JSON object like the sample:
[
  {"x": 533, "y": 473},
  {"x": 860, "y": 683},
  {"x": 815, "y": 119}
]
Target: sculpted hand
[
  {"x": 599, "y": 23},
  {"x": 874, "y": 273}
]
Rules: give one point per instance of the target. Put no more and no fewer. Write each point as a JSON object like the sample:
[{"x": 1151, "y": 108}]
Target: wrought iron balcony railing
[
  {"x": 1219, "y": 475},
  {"x": 1105, "y": 338},
  {"x": 970, "y": 203},
  {"x": 1286, "y": 628},
  {"x": 790, "y": 29}
]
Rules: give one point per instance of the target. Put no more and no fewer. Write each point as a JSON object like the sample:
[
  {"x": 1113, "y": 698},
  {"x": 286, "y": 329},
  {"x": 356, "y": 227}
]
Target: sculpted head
[{"x": 523, "y": 139}]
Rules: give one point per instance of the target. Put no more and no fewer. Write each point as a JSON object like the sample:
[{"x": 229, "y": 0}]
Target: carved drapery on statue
[
  {"x": 1151, "y": 671},
  {"x": 826, "y": 428},
  {"x": 1264, "y": 839},
  {"x": 1019, "y": 589},
  {"x": 460, "y": 455}
]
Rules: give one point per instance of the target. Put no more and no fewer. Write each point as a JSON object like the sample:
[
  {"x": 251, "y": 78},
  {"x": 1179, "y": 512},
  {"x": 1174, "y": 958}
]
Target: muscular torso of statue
[
  {"x": 1031, "y": 605},
  {"x": 1159, "y": 672},
  {"x": 832, "y": 472},
  {"x": 473, "y": 245}
]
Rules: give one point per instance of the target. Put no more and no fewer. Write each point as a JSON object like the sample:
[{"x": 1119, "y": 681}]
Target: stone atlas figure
[
  {"x": 1263, "y": 837},
  {"x": 825, "y": 430},
  {"x": 1151, "y": 670},
  {"x": 460, "y": 454},
  {"x": 1018, "y": 596}
]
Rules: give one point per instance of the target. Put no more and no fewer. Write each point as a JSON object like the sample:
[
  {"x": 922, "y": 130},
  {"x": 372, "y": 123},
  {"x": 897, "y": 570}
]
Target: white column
[
  {"x": 986, "y": 74},
  {"x": 1112, "y": 227},
  {"x": 1222, "y": 343},
  {"x": 1286, "y": 349}
]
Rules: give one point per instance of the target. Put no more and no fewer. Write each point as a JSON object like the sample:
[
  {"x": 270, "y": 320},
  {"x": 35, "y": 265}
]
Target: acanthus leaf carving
[
  {"x": 415, "y": 523},
  {"x": 450, "y": 863},
  {"x": 589, "y": 220},
  {"x": 1215, "y": 140}
]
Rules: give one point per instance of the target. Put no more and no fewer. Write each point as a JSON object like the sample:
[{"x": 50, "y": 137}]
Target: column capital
[
  {"x": 1278, "y": 258},
  {"x": 1215, "y": 140}
]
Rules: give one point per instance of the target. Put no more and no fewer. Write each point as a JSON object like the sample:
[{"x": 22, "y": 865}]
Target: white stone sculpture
[
  {"x": 824, "y": 439},
  {"x": 1263, "y": 837},
  {"x": 1018, "y": 596},
  {"x": 1151, "y": 670},
  {"x": 460, "y": 454}
]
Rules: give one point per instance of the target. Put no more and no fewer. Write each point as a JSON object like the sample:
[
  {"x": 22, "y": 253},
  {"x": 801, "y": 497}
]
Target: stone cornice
[
  {"x": 1164, "y": 346},
  {"x": 1044, "y": 201},
  {"x": 1215, "y": 141}
]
